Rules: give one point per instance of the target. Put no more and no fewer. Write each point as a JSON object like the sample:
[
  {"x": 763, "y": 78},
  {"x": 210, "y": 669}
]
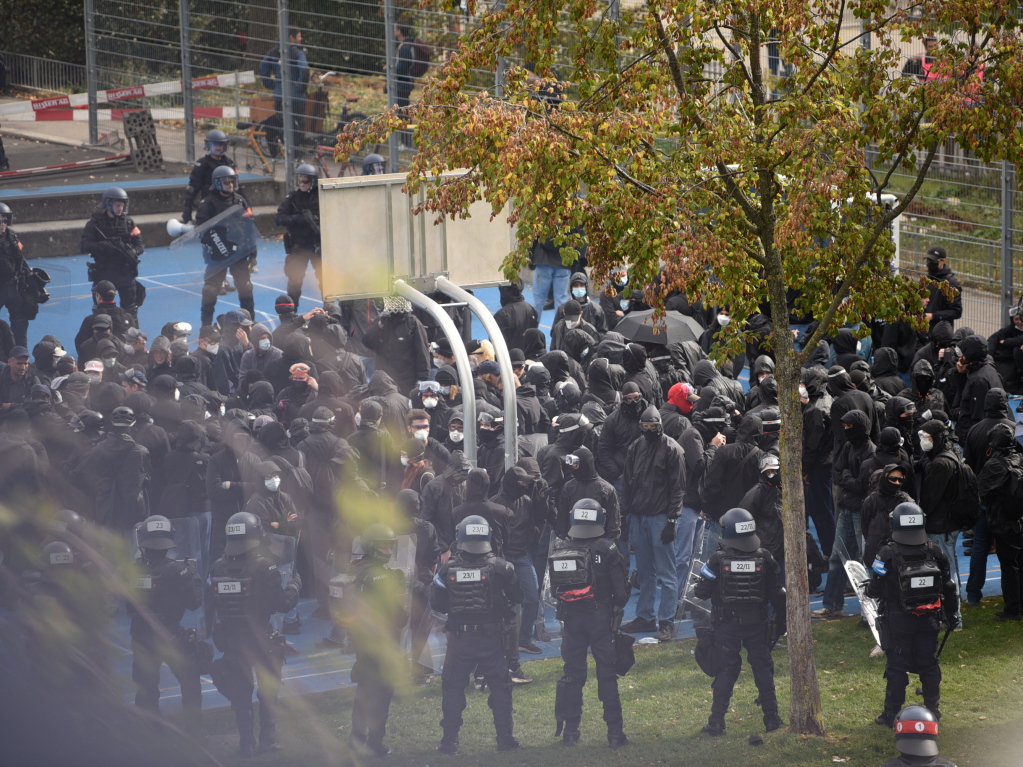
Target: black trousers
[
  {"x": 372, "y": 699},
  {"x": 485, "y": 653},
  {"x": 731, "y": 637},
  {"x": 17, "y": 308},
  {"x": 147, "y": 658},
  {"x": 911, "y": 646},
  {"x": 296, "y": 263},
  {"x": 242, "y": 281},
  {"x": 1009, "y": 546},
  {"x": 588, "y": 630},
  {"x": 245, "y": 653},
  {"x": 123, "y": 280}
]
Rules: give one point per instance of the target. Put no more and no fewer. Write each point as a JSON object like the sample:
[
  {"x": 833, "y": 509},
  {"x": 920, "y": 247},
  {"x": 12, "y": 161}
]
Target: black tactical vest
[
  {"x": 232, "y": 589},
  {"x": 470, "y": 593},
  {"x": 741, "y": 581}
]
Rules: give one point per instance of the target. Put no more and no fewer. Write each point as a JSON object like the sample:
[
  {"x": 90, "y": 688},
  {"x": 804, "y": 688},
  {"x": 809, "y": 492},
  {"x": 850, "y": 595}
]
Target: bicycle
[
  {"x": 319, "y": 157},
  {"x": 260, "y": 149}
]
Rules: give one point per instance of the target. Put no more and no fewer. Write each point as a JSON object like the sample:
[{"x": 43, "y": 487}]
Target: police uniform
[
  {"x": 478, "y": 592},
  {"x": 302, "y": 242},
  {"x": 913, "y": 585},
  {"x": 164, "y": 590},
  {"x": 12, "y": 271},
  {"x": 200, "y": 181},
  {"x": 247, "y": 591},
  {"x": 116, "y": 244},
  {"x": 741, "y": 579},
  {"x": 213, "y": 204},
  {"x": 588, "y": 576}
]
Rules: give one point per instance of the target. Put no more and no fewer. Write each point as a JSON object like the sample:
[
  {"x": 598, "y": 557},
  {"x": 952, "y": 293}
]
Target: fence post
[
  {"x": 90, "y": 68},
  {"x": 390, "y": 59},
  {"x": 502, "y": 64},
  {"x": 1008, "y": 208},
  {"x": 287, "y": 110},
  {"x": 186, "y": 79}
]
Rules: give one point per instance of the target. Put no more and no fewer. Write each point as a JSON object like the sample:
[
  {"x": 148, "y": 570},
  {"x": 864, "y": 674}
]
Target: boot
[
  {"x": 570, "y": 737},
  {"x": 19, "y": 327},
  {"x": 246, "y": 737},
  {"x": 296, "y": 296},
  {"x": 249, "y": 305},
  {"x": 449, "y": 742},
  {"x": 616, "y": 738},
  {"x": 934, "y": 706},
  {"x": 772, "y": 721},
  {"x": 715, "y": 726},
  {"x": 206, "y": 313}
]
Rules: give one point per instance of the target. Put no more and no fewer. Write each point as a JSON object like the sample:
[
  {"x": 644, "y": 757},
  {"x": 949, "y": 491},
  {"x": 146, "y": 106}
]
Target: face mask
[
  {"x": 573, "y": 323},
  {"x": 272, "y": 484},
  {"x": 636, "y": 406},
  {"x": 932, "y": 267},
  {"x": 264, "y": 344},
  {"x": 430, "y": 403},
  {"x": 621, "y": 281},
  {"x": 404, "y": 460},
  {"x": 456, "y": 436},
  {"x": 803, "y": 392},
  {"x": 624, "y": 304},
  {"x": 926, "y": 442},
  {"x": 651, "y": 434},
  {"x": 421, "y": 434},
  {"x": 213, "y": 348},
  {"x": 723, "y": 319},
  {"x": 358, "y": 419},
  {"x": 109, "y": 362},
  {"x": 438, "y": 362},
  {"x": 773, "y": 478},
  {"x": 177, "y": 395},
  {"x": 578, "y": 292}
]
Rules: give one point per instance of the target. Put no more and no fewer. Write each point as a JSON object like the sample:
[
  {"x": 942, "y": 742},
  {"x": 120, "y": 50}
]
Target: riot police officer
[
  {"x": 741, "y": 579},
  {"x": 916, "y": 737},
  {"x": 374, "y": 614},
  {"x": 247, "y": 590},
  {"x": 223, "y": 195},
  {"x": 373, "y": 165},
  {"x": 588, "y": 577},
  {"x": 12, "y": 271},
  {"x": 478, "y": 592},
  {"x": 200, "y": 180},
  {"x": 300, "y": 213},
  {"x": 113, "y": 240},
  {"x": 912, "y": 581},
  {"x": 164, "y": 590}
]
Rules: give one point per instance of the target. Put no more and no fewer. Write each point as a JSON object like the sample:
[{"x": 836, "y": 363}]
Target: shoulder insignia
[
  {"x": 707, "y": 573},
  {"x": 879, "y": 567}
]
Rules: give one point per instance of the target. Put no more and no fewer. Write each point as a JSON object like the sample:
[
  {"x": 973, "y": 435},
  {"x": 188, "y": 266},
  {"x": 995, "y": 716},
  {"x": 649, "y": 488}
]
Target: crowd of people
[{"x": 296, "y": 426}]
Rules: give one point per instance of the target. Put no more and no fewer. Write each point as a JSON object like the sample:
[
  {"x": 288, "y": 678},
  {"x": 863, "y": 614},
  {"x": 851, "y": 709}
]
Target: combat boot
[
  {"x": 715, "y": 726},
  {"x": 934, "y": 706},
  {"x": 449, "y": 743},
  {"x": 772, "y": 721},
  {"x": 571, "y": 735},
  {"x": 246, "y": 736},
  {"x": 617, "y": 739}
]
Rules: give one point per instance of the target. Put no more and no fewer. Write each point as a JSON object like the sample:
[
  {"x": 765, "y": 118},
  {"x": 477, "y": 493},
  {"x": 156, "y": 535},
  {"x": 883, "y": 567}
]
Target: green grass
[{"x": 666, "y": 700}]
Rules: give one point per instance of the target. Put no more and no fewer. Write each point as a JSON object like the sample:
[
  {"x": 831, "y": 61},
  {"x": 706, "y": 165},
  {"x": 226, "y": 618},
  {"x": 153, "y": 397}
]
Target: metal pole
[
  {"x": 90, "y": 68},
  {"x": 511, "y": 420},
  {"x": 287, "y": 107},
  {"x": 502, "y": 63},
  {"x": 390, "y": 52},
  {"x": 436, "y": 311},
  {"x": 1008, "y": 209},
  {"x": 186, "y": 79}
]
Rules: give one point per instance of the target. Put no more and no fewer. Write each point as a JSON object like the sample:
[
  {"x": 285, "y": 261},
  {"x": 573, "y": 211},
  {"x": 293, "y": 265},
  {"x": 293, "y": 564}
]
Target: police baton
[{"x": 948, "y": 633}]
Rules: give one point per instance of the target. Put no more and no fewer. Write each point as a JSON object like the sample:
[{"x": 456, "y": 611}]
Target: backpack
[
  {"x": 964, "y": 510},
  {"x": 420, "y": 59},
  {"x": 920, "y": 580},
  {"x": 571, "y": 572}
]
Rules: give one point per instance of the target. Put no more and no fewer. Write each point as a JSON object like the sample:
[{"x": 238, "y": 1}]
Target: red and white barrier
[
  {"x": 12, "y": 110},
  {"x": 82, "y": 115},
  {"x": 98, "y": 162}
]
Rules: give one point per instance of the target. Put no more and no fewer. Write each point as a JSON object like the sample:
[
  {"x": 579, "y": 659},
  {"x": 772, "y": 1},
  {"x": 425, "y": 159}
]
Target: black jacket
[
  {"x": 818, "y": 440},
  {"x": 942, "y": 308},
  {"x": 938, "y": 486},
  {"x": 886, "y": 370},
  {"x": 584, "y": 482},
  {"x": 654, "y": 480},
  {"x": 515, "y": 316},
  {"x": 184, "y": 473},
  {"x": 529, "y": 508},
  {"x": 996, "y": 411},
  {"x": 733, "y": 471},
  {"x": 995, "y": 482},
  {"x": 115, "y": 476},
  {"x": 620, "y": 430},
  {"x": 849, "y": 459},
  {"x": 291, "y": 214},
  {"x": 273, "y": 507},
  {"x": 979, "y": 379},
  {"x": 401, "y": 347},
  {"x": 764, "y": 502},
  {"x": 443, "y": 494},
  {"x": 922, "y": 390},
  {"x": 875, "y": 515}
]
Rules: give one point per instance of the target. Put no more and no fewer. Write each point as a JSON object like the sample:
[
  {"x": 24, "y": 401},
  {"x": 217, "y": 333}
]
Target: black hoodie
[
  {"x": 584, "y": 482},
  {"x": 978, "y": 439},
  {"x": 762, "y": 366},
  {"x": 734, "y": 469},
  {"x": 605, "y": 382},
  {"x": 886, "y": 371},
  {"x": 876, "y": 509},
  {"x": 515, "y": 317},
  {"x": 443, "y": 494},
  {"x": 849, "y": 457},
  {"x": 845, "y": 348},
  {"x": 534, "y": 344},
  {"x": 477, "y": 489},
  {"x": 818, "y": 439},
  {"x": 922, "y": 390}
]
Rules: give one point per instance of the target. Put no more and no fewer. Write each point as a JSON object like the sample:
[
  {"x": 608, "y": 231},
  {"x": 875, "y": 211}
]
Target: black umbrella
[{"x": 670, "y": 328}]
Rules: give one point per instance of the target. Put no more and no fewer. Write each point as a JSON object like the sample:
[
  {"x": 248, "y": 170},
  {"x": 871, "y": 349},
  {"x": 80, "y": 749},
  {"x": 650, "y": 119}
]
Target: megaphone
[{"x": 175, "y": 228}]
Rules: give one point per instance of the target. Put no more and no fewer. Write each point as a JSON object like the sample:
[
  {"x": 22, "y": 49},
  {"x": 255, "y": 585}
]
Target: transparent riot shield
[
  {"x": 703, "y": 547},
  {"x": 281, "y": 550},
  {"x": 225, "y": 239},
  {"x": 858, "y": 578},
  {"x": 404, "y": 559}
]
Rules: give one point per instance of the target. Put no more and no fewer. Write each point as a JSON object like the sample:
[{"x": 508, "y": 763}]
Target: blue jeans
[
  {"x": 526, "y": 574},
  {"x": 978, "y": 559},
  {"x": 543, "y": 278},
  {"x": 655, "y": 563},
  {"x": 847, "y": 542},
  {"x": 685, "y": 529},
  {"x": 947, "y": 542}
]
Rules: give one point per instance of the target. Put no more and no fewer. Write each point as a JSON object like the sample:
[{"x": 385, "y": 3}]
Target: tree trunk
[{"x": 805, "y": 713}]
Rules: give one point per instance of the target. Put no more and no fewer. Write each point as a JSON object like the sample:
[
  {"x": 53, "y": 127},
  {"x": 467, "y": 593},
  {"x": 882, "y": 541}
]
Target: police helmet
[
  {"x": 123, "y": 416},
  {"x": 739, "y": 530},
  {"x": 88, "y": 421},
  {"x": 115, "y": 194},
  {"x": 244, "y": 533},
  {"x": 587, "y": 518},
  {"x": 916, "y": 731},
  {"x": 909, "y": 524},
  {"x": 222, "y": 173},
  {"x": 155, "y": 532},
  {"x": 473, "y": 535},
  {"x": 67, "y": 522},
  {"x": 373, "y": 165},
  {"x": 6, "y": 214},
  {"x": 58, "y": 554},
  {"x": 375, "y": 538},
  {"x": 306, "y": 171},
  {"x": 215, "y": 136}
]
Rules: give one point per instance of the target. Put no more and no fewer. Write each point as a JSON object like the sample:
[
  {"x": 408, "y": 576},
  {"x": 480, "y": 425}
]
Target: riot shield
[
  {"x": 281, "y": 550},
  {"x": 702, "y": 550},
  {"x": 858, "y": 577},
  {"x": 225, "y": 239},
  {"x": 403, "y": 559}
]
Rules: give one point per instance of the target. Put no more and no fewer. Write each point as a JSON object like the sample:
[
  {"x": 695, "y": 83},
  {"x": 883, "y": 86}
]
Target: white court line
[{"x": 220, "y": 299}]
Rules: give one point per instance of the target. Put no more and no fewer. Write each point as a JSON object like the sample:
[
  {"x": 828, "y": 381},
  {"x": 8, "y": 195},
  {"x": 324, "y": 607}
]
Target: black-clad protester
[
  {"x": 741, "y": 579},
  {"x": 922, "y": 390},
  {"x": 588, "y": 579},
  {"x": 998, "y": 482},
  {"x": 582, "y": 481},
  {"x": 763, "y": 502},
  {"x": 889, "y": 489},
  {"x": 912, "y": 581},
  {"x": 579, "y": 290},
  {"x": 443, "y": 494},
  {"x": 105, "y": 296},
  {"x": 477, "y": 591},
  {"x": 1005, "y": 346},
  {"x": 400, "y": 343},
  {"x": 940, "y": 307},
  {"x": 247, "y": 591},
  {"x": 734, "y": 469},
  {"x": 621, "y": 429},
  {"x": 516, "y": 316},
  {"x": 975, "y": 375},
  {"x": 886, "y": 371},
  {"x": 164, "y": 590}
]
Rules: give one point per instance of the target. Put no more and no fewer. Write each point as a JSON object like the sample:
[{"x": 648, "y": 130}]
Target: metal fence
[{"x": 46, "y": 75}]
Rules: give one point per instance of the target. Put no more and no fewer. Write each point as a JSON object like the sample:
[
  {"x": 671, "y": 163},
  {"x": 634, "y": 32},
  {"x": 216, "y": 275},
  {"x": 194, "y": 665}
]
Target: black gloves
[
  {"x": 539, "y": 490},
  {"x": 668, "y": 533}
]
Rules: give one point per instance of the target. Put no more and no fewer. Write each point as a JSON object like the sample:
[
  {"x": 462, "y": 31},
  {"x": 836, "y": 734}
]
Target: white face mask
[
  {"x": 272, "y": 484},
  {"x": 177, "y": 395},
  {"x": 264, "y": 344},
  {"x": 802, "y": 391},
  {"x": 358, "y": 419},
  {"x": 624, "y": 304},
  {"x": 404, "y": 460},
  {"x": 430, "y": 402},
  {"x": 573, "y": 323},
  {"x": 456, "y": 436},
  {"x": 926, "y": 442},
  {"x": 723, "y": 319},
  {"x": 762, "y": 376},
  {"x": 213, "y": 348},
  {"x": 578, "y": 292},
  {"x": 438, "y": 362},
  {"x": 421, "y": 434}
]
